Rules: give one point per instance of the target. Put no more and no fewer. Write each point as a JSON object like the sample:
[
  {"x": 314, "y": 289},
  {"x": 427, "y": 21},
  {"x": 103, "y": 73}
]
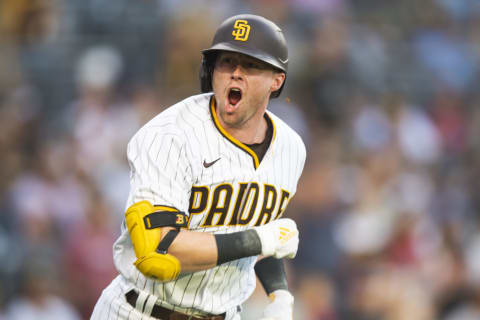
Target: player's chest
[
  {"x": 230, "y": 191},
  {"x": 228, "y": 164}
]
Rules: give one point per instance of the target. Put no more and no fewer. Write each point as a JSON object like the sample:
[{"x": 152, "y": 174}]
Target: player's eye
[
  {"x": 229, "y": 61},
  {"x": 226, "y": 62},
  {"x": 254, "y": 65}
]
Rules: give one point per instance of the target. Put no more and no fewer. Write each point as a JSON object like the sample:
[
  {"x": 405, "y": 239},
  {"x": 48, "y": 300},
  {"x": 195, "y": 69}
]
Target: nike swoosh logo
[{"x": 208, "y": 164}]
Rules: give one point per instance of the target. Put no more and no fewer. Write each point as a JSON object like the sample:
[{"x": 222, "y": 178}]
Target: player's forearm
[
  {"x": 198, "y": 250},
  {"x": 195, "y": 250},
  {"x": 271, "y": 273},
  {"x": 163, "y": 252}
]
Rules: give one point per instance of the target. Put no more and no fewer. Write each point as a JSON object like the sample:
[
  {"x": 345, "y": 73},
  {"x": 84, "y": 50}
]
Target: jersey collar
[{"x": 230, "y": 138}]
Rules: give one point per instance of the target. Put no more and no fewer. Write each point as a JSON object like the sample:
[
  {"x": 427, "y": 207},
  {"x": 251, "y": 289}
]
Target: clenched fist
[{"x": 279, "y": 238}]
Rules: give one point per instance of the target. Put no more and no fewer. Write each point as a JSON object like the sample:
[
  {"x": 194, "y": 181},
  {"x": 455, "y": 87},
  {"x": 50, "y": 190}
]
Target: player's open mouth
[{"x": 234, "y": 96}]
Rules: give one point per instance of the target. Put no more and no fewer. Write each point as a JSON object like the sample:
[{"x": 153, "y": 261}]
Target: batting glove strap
[{"x": 281, "y": 307}]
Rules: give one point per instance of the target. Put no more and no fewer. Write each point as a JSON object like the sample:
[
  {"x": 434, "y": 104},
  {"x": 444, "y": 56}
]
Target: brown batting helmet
[{"x": 251, "y": 35}]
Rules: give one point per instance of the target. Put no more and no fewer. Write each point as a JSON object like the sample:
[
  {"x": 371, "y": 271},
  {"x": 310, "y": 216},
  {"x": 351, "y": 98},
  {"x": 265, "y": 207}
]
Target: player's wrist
[
  {"x": 272, "y": 275},
  {"x": 237, "y": 245}
]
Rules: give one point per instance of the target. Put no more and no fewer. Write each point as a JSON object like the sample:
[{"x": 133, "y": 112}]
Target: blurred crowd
[{"x": 384, "y": 94}]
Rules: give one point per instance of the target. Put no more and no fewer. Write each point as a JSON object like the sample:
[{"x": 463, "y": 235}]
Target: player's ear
[{"x": 278, "y": 78}]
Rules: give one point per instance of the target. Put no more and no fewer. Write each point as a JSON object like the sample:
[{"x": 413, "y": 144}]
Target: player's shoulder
[
  {"x": 178, "y": 118},
  {"x": 285, "y": 134}
]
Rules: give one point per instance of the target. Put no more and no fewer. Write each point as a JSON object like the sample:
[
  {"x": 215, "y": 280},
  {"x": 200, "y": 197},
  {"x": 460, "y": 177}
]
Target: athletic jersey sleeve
[
  {"x": 302, "y": 151},
  {"x": 160, "y": 171}
]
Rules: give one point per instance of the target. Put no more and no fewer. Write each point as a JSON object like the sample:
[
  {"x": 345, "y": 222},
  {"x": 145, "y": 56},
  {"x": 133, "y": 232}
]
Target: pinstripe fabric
[
  {"x": 112, "y": 304},
  {"x": 166, "y": 158}
]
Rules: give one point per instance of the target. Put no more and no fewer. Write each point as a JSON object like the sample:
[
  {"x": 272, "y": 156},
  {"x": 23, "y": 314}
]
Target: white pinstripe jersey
[{"x": 169, "y": 159}]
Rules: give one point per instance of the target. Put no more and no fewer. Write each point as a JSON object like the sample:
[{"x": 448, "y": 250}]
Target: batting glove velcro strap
[
  {"x": 281, "y": 307},
  {"x": 279, "y": 238}
]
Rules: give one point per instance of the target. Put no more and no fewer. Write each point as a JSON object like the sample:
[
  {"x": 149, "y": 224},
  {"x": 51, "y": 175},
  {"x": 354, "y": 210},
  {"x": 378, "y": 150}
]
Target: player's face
[{"x": 242, "y": 87}]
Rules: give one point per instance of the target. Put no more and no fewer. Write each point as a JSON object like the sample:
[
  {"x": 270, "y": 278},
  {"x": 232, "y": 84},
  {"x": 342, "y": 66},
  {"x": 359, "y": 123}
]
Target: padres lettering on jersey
[
  {"x": 184, "y": 159},
  {"x": 229, "y": 205}
]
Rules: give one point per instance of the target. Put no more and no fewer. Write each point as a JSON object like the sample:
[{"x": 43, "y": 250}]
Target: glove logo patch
[
  {"x": 285, "y": 235},
  {"x": 241, "y": 30}
]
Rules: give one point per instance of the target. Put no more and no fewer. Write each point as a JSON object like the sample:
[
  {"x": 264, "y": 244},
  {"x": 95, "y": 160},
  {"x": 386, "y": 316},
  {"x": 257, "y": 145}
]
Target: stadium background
[{"x": 384, "y": 93}]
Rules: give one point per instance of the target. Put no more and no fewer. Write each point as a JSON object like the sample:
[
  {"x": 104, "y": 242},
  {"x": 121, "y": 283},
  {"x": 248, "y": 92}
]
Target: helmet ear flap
[
  {"x": 206, "y": 72},
  {"x": 205, "y": 77}
]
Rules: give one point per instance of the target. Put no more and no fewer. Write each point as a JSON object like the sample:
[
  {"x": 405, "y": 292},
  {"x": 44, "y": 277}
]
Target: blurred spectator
[
  {"x": 447, "y": 55},
  {"x": 20, "y": 119},
  {"x": 101, "y": 122},
  {"x": 182, "y": 51},
  {"x": 326, "y": 69},
  {"x": 89, "y": 266},
  {"x": 293, "y": 116},
  {"x": 383, "y": 93},
  {"x": 419, "y": 139},
  {"x": 51, "y": 193},
  {"x": 372, "y": 129},
  {"x": 38, "y": 298},
  {"x": 317, "y": 296}
]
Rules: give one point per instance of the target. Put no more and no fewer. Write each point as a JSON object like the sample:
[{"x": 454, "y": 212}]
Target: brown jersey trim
[{"x": 261, "y": 148}]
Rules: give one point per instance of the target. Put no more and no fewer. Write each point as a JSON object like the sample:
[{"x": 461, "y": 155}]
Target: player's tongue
[{"x": 234, "y": 96}]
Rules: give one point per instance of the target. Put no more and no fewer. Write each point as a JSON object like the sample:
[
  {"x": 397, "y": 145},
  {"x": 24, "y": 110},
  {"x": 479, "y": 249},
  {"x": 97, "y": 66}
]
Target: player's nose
[{"x": 237, "y": 72}]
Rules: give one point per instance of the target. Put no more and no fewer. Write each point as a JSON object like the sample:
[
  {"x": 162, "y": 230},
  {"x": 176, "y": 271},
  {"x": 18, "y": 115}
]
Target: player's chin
[{"x": 233, "y": 119}]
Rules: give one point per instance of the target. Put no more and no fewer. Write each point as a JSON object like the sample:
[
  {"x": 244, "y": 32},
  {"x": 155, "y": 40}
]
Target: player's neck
[{"x": 253, "y": 131}]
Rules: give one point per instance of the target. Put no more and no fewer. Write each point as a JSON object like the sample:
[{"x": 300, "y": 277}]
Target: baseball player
[{"x": 210, "y": 179}]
